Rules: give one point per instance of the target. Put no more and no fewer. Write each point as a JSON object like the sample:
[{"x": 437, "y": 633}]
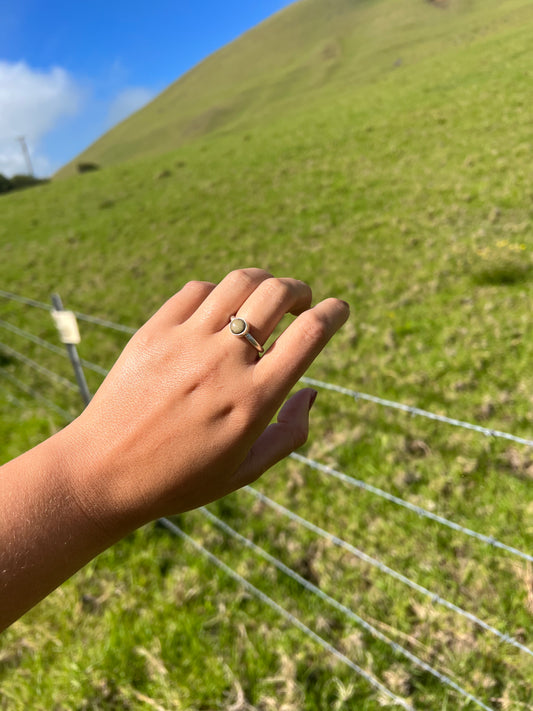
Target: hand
[{"x": 182, "y": 418}]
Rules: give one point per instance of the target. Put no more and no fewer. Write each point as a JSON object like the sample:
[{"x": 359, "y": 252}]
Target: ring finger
[{"x": 269, "y": 302}]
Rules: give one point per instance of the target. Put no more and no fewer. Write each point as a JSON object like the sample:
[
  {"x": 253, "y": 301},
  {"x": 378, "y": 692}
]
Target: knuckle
[
  {"x": 277, "y": 289},
  {"x": 198, "y": 287},
  {"x": 247, "y": 277},
  {"x": 286, "y": 291}
]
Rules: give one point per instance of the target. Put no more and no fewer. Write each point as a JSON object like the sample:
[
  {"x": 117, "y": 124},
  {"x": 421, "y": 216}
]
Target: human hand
[{"x": 183, "y": 417}]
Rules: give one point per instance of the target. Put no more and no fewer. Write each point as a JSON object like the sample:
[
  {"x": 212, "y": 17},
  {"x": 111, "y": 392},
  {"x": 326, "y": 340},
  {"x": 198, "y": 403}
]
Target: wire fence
[
  {"x": 487, "y": 431},
  {"x": 433, "y": 597},
  {"x": 350, "y": 614},
  {"x": 35, "y": 394},
  {"x": 354, "y": 394},
  {"x": 289, "y": 616}
]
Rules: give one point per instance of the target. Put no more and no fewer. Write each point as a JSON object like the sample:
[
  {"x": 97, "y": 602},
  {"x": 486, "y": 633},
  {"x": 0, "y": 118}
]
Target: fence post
[{"x": 70, "y": 336}]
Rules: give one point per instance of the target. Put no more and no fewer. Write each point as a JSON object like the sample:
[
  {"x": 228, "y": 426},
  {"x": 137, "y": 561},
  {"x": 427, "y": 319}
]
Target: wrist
[
  {"x": 70, "y": 472},
  {"x": 91, "y": 478}
]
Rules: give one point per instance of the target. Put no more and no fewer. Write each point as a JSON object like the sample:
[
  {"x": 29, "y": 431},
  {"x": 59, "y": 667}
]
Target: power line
[{"x": 26, "y": 154}]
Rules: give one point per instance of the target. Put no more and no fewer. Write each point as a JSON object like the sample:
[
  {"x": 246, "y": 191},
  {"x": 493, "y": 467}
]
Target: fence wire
[
  {"x": 488, "y": 432},
  {"x": 81, "y": 316},
  {"x": 50, "y": 374},
  {"x": 354, "y": 394},
  {"x": 433, "y": 597},
  {"x": 490, "y": 540},
  {"x": 50, "y": 346},
  {"x": 36, "y": 395},
  {"x": 373, "y": 631},
  {"x": 351, "y": 481},
  {"x": 288, "y": 616}
]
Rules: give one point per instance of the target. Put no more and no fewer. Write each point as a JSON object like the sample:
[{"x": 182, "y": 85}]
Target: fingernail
[
  {"x": 312, "y": 399},
  {"x": 345, "y": 303}
]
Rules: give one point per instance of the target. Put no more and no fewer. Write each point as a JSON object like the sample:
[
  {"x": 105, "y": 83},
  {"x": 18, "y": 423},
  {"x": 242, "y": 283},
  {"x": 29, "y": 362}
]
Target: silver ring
[{"x": 240, "y": 327}]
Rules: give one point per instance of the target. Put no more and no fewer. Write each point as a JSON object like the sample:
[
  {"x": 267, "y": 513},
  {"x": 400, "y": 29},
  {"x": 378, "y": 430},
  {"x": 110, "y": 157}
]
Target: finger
[
  {"x": 228, "y": 296},
  {"x": 182, "y": 305},
  {"x": 272, "y": 299},
  {"x": 279, "y": 439},
  {"x": 296, "y": 348}
]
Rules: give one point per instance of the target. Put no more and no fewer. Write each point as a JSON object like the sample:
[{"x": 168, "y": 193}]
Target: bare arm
[{"x": 182, "y": 419}]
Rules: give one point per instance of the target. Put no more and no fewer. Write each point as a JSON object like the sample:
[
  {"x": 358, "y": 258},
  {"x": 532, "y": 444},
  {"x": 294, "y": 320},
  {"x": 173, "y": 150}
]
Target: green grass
[{"x": 408, "y": 195}]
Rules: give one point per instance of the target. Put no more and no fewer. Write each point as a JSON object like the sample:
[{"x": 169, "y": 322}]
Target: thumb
[{"x": 279, "y": 439}]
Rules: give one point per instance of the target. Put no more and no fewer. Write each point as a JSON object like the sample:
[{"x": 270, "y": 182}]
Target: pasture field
[{"x": 411, "y": 197}]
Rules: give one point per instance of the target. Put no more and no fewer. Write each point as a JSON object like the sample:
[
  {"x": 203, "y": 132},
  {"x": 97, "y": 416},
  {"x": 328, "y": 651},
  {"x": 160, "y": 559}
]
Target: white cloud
[
  {"x": 32, "y": 103},
  {"x": 128, "y": 101}
]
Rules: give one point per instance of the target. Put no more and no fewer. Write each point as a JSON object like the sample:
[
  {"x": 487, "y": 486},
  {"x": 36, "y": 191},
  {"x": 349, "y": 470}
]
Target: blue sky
[{"x": 71, "y": 70}]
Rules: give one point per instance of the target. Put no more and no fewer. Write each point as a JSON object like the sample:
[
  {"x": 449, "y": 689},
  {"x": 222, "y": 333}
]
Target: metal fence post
[{"x": 72, "y": 351}]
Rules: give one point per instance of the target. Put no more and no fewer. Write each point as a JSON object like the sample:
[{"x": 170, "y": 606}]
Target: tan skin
[{"x": 181, "y": 420}]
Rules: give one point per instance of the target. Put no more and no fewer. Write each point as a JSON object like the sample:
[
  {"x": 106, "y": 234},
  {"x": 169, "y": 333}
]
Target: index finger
[{"x": 296, "y": 348}]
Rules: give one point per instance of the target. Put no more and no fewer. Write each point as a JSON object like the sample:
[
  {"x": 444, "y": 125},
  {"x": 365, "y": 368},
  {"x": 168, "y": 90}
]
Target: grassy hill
[
  {"x": 406, "y": 190},
  {"x": 310, "y": 53}
]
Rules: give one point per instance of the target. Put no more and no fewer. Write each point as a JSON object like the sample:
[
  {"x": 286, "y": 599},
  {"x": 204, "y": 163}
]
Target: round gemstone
[{"x": 238, "y": 326}]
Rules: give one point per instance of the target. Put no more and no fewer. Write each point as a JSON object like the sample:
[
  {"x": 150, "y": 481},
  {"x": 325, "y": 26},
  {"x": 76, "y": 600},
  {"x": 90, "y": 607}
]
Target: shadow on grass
[{"x": 504, "y": 274}]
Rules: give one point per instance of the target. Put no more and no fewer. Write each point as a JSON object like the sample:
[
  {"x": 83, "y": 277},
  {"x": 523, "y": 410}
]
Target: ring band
[{"x": 240, "y": 327}]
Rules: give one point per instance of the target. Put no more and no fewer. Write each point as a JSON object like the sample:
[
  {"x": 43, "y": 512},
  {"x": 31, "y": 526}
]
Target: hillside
[
  {"x": 407, "y": 192},
  {"x": 311, "y": 52}
]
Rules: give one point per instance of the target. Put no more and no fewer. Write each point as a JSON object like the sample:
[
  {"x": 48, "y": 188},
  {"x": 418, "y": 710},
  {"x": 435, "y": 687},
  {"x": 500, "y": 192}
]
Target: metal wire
[
  {"x": 80, "y": 316},
  {"x": 40, "y": 368},
  {"x": 50, "y": 346},
  {"x": 357, "y": 396},
  {"x": 287, "y": 615},
  {"x": 435, "y": 599},
  {"x": 490, "y": 540},
  {"x": 312, "y": 381},
  {"x": 30, "y": 391},
  {"x": 416, "y": 411},
  {"x": 24, "y": 300},
  {"x": 12, "y": 399},
  {"x": 342, "y": 608},
  {"x": 106, "y": 324},
  {"x": 229, "y": 571}
]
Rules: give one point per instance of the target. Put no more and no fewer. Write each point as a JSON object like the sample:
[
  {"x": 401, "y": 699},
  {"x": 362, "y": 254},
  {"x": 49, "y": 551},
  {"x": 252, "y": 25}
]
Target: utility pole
[{"x": 26, "y": 153}]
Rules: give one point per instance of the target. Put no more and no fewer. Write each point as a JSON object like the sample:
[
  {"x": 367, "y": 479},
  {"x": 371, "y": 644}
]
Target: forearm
[{"x": 45, "y": 535}]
